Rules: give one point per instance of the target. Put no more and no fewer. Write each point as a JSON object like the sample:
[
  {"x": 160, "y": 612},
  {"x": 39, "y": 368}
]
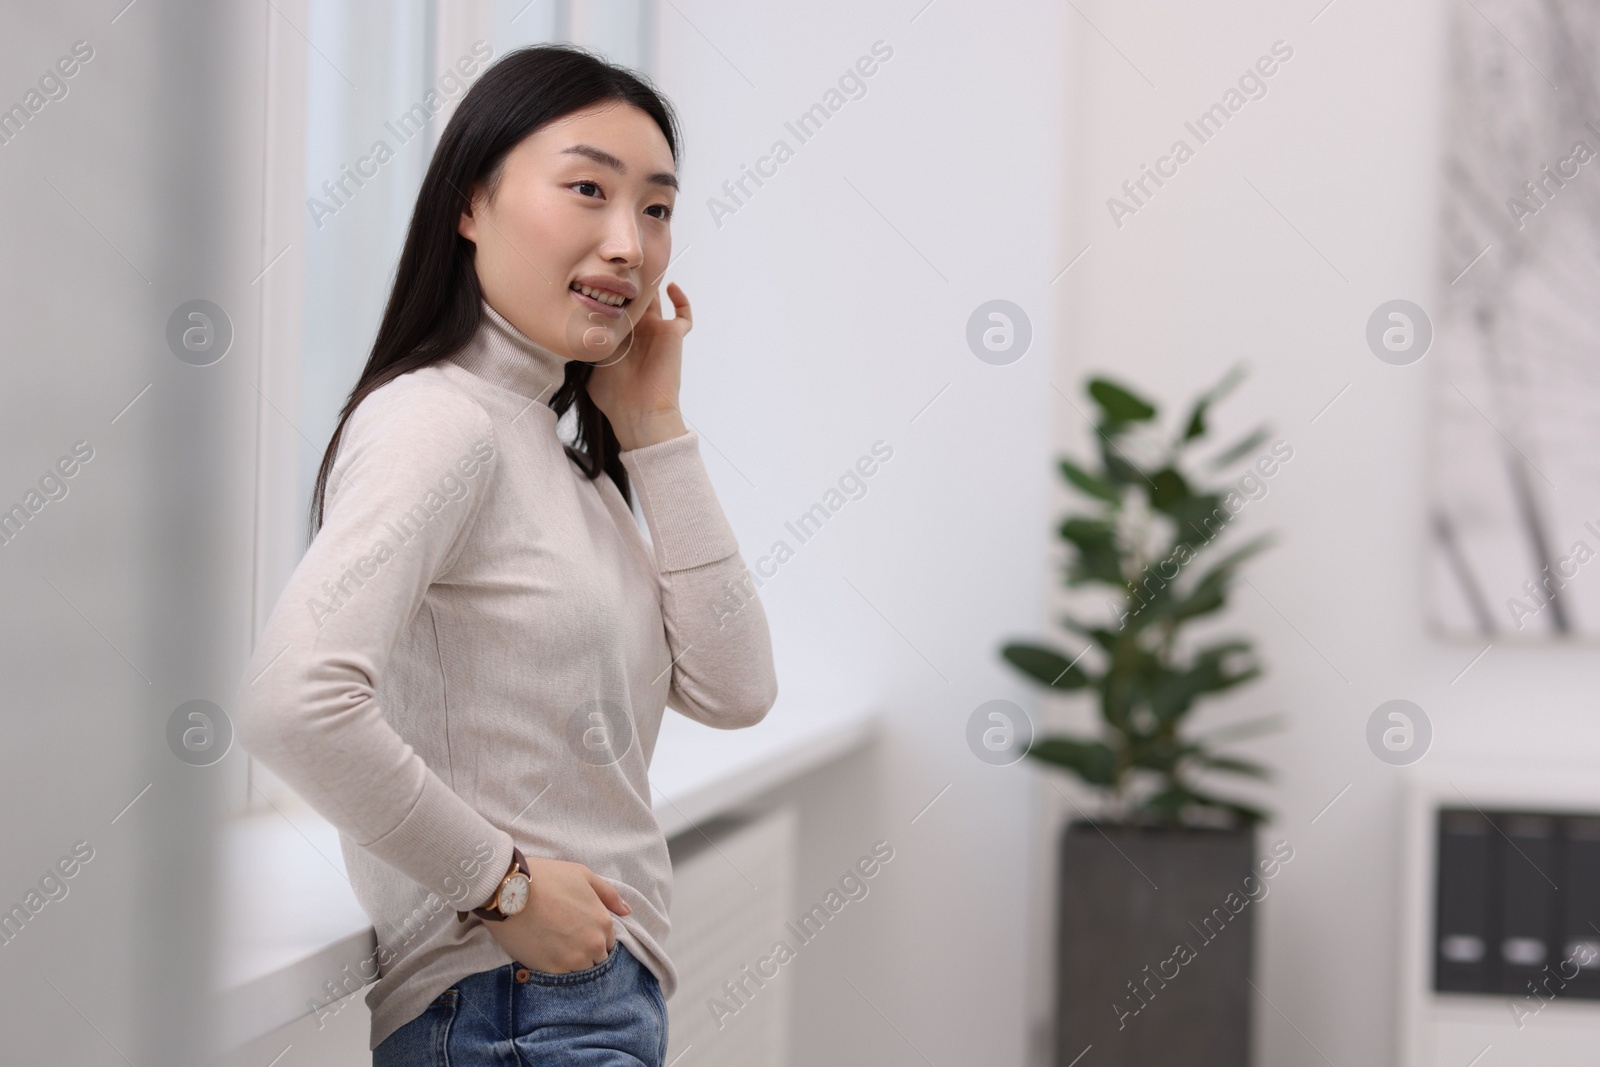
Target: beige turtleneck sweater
[{"x": 476, "y": 649}]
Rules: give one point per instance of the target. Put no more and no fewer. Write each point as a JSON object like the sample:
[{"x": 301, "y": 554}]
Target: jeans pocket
[
  {"x": 423, "y": 1041},
  {"x": 588, "y": 974}
]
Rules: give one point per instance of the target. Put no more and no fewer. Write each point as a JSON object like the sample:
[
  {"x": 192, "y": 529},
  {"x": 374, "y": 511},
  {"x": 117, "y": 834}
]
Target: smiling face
[{"x": 573, "y": 240}]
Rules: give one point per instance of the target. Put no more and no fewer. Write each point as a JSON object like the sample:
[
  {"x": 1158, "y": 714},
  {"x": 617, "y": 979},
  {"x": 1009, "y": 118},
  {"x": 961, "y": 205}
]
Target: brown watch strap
[{"x": 491, "y": 911}]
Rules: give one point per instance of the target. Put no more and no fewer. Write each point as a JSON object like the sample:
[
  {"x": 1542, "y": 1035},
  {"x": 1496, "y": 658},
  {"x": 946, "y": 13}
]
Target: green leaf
[
  {"x": 1210, "y": 592},
  {"x": 1118, "y": 403},
  {"x": 1239, "y": 449},
  {"x": 1046, "y": 666},
  {"x": 1245, "y": 812},
  {"x": 1161, "y": 754},
  {"x": 1225, "y": 385},
  {"x": 1240, "y": 731},
  {"x": 1222, "y": 649},
  {"x": 1093, "y": 761},
  {"x": 1075, "y": 625},
  {"x": 1196, "y": 426},
  {"x": 1212, "y": 587},
  {"x": 1168, "y": 492},
  {"x": 1174, "y": 695},
  {"x": 1170, "y": 803},
  {"x": 1082, "y": 530},
  {"x": 1106, "y": 639},
  {"x": 1150, "y": 598},
  {"x": 1123, "y": 685},
  {"x": 1224, "y": 567},
  {"x": 1089, "y": 483},
  {"x": 1097, "y": 558},
  {"x": 1174, "y": 692},
  {"x": 1119, "y": 469},
  {"x": 1233, "y": 766},
  {"x": 1200, "y": 520},
  {"x": 1201, "y": 601}
]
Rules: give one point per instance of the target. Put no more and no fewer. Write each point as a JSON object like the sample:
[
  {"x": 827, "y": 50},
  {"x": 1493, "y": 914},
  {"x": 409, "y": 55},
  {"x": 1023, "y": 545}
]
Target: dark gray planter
[{"x": 1129, "y": 899}]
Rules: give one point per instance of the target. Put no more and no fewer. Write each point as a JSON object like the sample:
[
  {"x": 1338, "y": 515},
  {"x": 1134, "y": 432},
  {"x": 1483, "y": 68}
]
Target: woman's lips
[{"x": 594, "y": 305}]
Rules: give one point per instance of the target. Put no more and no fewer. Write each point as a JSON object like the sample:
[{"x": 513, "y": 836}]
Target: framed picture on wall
[{"x": 1514, "y": 540}]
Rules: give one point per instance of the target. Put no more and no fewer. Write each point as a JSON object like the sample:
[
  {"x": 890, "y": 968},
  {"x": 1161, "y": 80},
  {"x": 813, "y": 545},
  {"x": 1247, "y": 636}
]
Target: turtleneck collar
[{"x": 502, "y": 354}]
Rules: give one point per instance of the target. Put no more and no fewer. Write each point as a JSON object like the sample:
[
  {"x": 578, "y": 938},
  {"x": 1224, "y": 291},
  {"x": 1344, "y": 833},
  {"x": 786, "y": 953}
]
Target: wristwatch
[{"x": 510, "y": 897}]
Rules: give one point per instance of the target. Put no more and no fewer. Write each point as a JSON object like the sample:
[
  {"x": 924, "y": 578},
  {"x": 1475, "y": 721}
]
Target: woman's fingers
[
  {"x": 608, "y": 895},
  {"x": 680, "y": 306}
]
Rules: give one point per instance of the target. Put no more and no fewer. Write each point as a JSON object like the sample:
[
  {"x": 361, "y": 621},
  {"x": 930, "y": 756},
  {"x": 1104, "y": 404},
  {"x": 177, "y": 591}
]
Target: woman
[{"x": 467, "y": 671}]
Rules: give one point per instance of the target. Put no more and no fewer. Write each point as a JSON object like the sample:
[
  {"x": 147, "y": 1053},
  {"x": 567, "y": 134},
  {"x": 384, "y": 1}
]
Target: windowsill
[{"x": 295, "y": 924}]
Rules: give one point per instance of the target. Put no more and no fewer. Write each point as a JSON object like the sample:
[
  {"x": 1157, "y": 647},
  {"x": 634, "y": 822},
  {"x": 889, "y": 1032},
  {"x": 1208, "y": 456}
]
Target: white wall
[
  {"x": 133, "y": 193},
  {"x": 1344, "y": 146},
  {"x": 820, "y": 330}
]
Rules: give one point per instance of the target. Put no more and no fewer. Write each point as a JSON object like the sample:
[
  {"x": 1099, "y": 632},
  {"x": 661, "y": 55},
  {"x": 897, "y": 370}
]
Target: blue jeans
[{"x": 610, "y": 1015}]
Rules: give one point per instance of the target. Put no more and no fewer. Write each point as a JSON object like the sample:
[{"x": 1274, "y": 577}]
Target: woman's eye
[
  {"x": 581, "y": 185},
  {"x": 666, "y": 212}
]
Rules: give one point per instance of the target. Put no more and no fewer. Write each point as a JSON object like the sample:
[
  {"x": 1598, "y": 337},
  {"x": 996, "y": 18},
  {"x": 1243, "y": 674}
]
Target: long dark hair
[{"x": 436, "y": 304}]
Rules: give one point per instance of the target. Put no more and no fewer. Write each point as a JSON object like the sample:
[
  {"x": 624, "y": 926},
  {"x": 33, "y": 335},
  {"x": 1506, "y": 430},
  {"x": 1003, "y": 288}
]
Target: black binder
[
  {"x": 1581, "y": 928},
  {"x": 1517, "y": 905},
  {"x": 1528, "y": 905},
  {"x": 1461, "y": 944}
]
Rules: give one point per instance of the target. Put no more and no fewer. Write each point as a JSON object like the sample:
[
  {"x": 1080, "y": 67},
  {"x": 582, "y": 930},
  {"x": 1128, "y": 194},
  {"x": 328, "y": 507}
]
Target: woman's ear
[{"x": 468, "y": 224}]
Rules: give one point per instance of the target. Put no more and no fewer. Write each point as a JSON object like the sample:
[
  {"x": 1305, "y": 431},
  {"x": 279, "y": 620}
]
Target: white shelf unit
[{"x": 1457, "y": 1029}]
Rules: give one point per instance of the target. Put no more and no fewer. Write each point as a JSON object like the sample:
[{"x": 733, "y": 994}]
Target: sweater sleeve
[
  {"x": 412, "y": 471},
  {"x": 722, "y": 670}
]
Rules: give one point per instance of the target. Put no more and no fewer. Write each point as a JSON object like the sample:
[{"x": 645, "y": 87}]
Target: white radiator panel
[{"x": 731, "y": 897}]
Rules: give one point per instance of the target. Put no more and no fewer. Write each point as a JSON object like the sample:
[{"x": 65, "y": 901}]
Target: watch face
[{"x": 514, "y": 894}]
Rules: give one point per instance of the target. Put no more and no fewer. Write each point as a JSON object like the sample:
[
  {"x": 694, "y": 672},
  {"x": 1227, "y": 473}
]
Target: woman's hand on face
[
  {"x": 566, "y": 925},
  {"x": 639, "y": 393}
]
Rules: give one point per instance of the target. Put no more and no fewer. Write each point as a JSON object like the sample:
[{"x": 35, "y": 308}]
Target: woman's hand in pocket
[{"x": 566, "y": 925}]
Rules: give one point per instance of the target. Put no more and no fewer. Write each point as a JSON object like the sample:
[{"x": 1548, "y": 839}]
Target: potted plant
[{"x": 1156, "y": 928}]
